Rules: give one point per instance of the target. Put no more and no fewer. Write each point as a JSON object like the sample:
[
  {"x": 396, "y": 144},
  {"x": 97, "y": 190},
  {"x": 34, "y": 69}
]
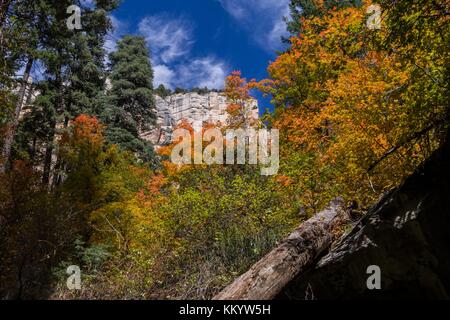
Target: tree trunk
[
  {"x": 33, "y": 150},
  {"x": 47, "y": 164},
  {"x": 46, "y": 176},
  {"x": 266, "y": 279},
  {"x": 10, "y": 135},
  {"x": 57, "y": 178}
]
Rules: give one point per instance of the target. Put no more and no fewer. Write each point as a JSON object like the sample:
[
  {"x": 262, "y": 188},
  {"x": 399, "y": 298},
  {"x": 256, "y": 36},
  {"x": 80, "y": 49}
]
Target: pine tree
[
  {"x": 77, "y": 70},
  {"x": 162, "y": 91},
  {"x": 4, "y": 7},
  {"x": 131, "y": 103},
  {"x": 72, "y": 61},
  {"x": 18, "y": 41}
]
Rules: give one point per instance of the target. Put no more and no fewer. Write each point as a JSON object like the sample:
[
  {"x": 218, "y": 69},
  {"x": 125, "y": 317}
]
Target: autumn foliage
[
  {"x": 347, "y": 109},
  {"x": 358, "y": 110}
]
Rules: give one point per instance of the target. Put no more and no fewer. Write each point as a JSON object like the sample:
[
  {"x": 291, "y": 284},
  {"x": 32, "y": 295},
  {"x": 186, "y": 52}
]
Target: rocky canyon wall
[{"x": 193, "y": 107}]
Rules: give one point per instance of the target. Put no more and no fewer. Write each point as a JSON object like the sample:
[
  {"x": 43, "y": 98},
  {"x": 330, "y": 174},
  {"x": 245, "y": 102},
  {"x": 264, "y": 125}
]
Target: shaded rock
[{"x": 406, "y": 234}]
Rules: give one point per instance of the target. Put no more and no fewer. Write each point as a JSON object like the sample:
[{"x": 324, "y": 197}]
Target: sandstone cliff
[{"x": 193, "y": 107}]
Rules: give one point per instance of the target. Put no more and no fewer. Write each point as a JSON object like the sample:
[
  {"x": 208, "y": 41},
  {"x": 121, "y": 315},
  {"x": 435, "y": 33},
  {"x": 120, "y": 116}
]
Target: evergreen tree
[
  {"x": 180, "y": 90},
  {"x": 73, "y": 65},
  {"x": 4, "y": 7},
  {"x": 131, "y": 107},
  {"x": 88, "y": 70},
  {"x": 76, "y": 73},
  {"x": 19, "y": 38},
  {"x": 162, "y": 91}
]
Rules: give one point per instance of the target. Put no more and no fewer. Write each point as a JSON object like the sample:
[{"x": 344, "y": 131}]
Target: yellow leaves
[
  {"x": 345, "y": 102},
  {"x": 129, "y": 224}
]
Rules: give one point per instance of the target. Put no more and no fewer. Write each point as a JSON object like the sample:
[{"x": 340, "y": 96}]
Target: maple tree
[
  {"x": 237, "y": 91},
  {"x": 355, "y": 113}
]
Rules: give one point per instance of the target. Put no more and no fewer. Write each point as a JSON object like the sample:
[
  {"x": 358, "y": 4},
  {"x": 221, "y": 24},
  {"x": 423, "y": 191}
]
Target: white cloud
[
  {"x": 234, "y": 8},
  {"x": 198, "y": 72},
  {"x": 204, "y": 72},
  {"x": 278, "y": 30},
  {"x": 119, "y": 28},
  {"x": 169, "y": 38},
  {"x": 264, "y": 19},
  {"x": 163, "y": 75},
  {"x": 170, "y": 41}
]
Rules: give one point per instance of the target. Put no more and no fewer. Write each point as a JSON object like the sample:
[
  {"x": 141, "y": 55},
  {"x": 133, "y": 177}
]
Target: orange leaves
[
  {"x": 283, "y": 180},
  {"x": 233, "y": 108},
  {"x": 81, "y": 151},
  {"x": 171, "y": 168},
  {"x": 86, "y": 127},
  {"x": 303, "y": 79},
  {"x": 364, "y": 102},
  {"x": 156, "y": 183},
  {"x": 237, "y": 91},
  {"x": 323, "y": 44},
  {"x": 148, "y": 196},
  {"x": 167, "y": 150},
  {"x": 236, "y": 88},
  {"x": 85, "y": 131},
  {"x": 341, "y": 101}
]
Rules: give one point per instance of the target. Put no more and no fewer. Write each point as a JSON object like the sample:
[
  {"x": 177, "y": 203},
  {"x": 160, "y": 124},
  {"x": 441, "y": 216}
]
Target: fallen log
[{"x": 266, "y": 279}]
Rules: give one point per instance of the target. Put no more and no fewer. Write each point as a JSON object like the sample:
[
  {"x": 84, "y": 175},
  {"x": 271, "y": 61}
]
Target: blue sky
[{"x": 199, "y": 42}]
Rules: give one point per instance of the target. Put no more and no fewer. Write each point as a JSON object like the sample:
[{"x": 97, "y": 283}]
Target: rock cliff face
[{"x": 192, "y": 107}]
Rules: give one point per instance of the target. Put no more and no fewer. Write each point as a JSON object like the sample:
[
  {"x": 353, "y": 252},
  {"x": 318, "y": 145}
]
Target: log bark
[{"x": 266, "y": 279}]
